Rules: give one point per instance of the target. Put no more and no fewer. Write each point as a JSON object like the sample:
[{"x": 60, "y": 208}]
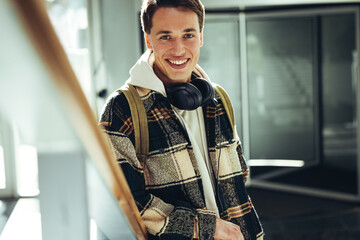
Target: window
[
  {"x": 20, "y": 158},
  {"x": 70, "y": 20},
  {"x": 27, "y": 171}
]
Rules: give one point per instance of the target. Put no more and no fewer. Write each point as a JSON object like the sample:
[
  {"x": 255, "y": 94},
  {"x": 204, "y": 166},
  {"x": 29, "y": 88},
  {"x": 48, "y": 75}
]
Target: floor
[
  {"x": 283, "y": 215},
  {"x": 295, "y": 217}
]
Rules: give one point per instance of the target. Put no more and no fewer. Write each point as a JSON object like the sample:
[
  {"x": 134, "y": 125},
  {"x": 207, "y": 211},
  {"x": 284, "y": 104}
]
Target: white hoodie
[{"x": 142, "y": 75}]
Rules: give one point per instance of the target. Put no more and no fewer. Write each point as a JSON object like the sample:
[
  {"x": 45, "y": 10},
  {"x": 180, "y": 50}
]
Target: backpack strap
[
  {"x": 227, "y": 105},
  {"x": 139, "y": 120}
]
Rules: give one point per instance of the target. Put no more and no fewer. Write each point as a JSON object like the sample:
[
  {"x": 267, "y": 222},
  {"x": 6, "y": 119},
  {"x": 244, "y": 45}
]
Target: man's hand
[{"x": 227, "y": 231}]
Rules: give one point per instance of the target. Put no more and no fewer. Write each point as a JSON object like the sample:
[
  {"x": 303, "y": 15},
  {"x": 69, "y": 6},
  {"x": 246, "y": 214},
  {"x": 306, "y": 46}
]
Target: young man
[{"x": 192, "y": 183}]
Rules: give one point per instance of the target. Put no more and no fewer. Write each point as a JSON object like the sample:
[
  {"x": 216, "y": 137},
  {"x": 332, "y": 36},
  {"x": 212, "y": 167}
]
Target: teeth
[{"x": 178, "y": 62}]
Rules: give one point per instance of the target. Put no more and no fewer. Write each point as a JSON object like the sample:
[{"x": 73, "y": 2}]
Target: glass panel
[
  {"x": 2, "y": 164},
  {"x": 281, "y": 90},
  {"x": 302, "y": 88},
  {"x": 69, "y": 19},
  {"x": 220, "y": 58},
  {"x": 339, "y": 100}
]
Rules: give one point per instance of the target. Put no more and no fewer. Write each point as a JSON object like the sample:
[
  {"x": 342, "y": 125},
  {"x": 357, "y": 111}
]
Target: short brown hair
[{"x": 149, "y": 8}]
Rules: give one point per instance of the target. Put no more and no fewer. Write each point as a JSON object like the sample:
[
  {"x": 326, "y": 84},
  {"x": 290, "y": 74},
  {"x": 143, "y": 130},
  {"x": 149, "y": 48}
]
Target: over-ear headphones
[{"x": 189, "y": 96}]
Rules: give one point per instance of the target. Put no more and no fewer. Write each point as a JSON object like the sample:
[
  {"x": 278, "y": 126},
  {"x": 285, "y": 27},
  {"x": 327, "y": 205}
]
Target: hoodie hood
[{"x": 142, "y": 74}]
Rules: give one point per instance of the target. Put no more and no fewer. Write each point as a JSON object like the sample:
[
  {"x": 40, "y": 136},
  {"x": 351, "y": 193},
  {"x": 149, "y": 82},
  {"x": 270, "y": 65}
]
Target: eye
[
  {"x": 189, "y": 35},
  {"x": 165, "y": 37}
]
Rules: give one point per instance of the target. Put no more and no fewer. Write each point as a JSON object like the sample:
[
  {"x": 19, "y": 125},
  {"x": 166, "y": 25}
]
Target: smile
[{"x": 178, "y": 62}]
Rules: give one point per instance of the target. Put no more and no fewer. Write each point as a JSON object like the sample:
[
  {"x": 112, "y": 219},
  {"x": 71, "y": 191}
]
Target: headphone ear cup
[
  {"x": 206, "y": 89},
  {"x": 185, "y": 96}
]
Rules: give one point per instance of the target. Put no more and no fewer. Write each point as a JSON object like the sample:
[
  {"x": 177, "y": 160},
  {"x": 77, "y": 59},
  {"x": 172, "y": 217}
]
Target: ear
[
  {"x": 201, "y": 38},
  {"x": 147, "y": 40}
]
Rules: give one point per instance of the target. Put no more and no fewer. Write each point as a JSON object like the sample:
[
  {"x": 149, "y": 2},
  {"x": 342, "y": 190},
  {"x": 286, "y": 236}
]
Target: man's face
[{"x": 175, "y": 39}]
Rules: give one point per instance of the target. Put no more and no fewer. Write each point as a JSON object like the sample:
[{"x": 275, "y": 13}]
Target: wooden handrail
[{"x": 37, "y": 25}]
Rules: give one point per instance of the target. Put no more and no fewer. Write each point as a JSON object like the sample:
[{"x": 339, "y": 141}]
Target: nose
[{"x": 178, "y": 48}]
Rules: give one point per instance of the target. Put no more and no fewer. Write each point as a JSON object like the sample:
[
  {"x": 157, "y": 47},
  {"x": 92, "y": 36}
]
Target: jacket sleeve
[
  {"x": 243, "y": 164},
  {"x": 162, "y": 220}
]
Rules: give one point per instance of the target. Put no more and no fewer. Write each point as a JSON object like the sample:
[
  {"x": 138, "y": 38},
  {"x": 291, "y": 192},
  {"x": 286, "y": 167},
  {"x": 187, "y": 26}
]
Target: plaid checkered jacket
[{"x": 167, "y": 186}]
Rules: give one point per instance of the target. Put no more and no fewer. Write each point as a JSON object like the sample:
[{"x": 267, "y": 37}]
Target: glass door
[
  {"x": 282, "y": 95},
  {"x": 339, "y": 83},
  {"x": 302, "y": 98},
  {"x": 292, "y": 78}
]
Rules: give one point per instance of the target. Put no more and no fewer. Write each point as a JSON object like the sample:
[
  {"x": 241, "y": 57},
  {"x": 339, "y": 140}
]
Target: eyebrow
[
  {"x": 190, "y": 30},
  {"x": 163, "y": 32},
  {"x": 168, "y": 32}
]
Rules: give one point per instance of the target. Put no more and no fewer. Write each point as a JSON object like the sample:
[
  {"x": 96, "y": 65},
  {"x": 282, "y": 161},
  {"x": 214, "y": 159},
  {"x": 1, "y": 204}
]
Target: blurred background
[{"x": 291, "y": 69}]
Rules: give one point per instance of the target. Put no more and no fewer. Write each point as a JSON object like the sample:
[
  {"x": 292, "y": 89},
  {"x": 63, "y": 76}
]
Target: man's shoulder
[
  {"x": 117, "y": 104},
  {"x": 117, "y": 97},
  {"x": 118, "y": 101}
]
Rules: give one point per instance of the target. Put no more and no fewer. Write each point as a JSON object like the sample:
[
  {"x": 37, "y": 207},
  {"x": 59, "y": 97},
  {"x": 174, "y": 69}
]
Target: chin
[{"x": 181, "y": 78}]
